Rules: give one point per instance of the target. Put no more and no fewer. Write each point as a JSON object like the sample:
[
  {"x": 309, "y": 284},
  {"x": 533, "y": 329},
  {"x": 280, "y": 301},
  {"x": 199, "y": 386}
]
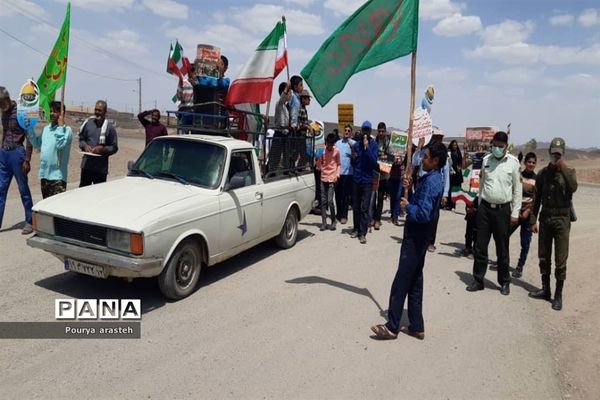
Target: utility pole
[{"x": 140, "y": 94}]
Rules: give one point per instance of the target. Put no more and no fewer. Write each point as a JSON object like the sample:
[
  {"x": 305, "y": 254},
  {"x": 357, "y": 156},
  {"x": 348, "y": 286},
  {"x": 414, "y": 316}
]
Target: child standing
[
  {"x": 420, "y": 223},
  {"x": 330, "y": 166}
]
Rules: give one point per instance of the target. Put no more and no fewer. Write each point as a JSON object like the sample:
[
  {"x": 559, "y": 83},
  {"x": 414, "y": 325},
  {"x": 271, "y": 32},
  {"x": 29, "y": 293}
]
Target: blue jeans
[
  {"x": 525, "y": 240},
  {"x": 408, "y": 281},
  {"x": 11, "y": 162}
]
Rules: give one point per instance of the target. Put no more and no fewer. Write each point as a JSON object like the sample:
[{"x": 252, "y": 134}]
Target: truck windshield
[{"x": 186, "y": 161}]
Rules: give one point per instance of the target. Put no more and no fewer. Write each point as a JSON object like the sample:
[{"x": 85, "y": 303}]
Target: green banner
[
  {"x": 378, "y": 32},
  {"x": 55, "y": 71}
]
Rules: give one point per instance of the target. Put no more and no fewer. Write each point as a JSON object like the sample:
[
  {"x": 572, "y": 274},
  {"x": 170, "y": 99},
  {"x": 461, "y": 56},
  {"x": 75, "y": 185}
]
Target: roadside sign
[
  {"x": 478, "y": 138},
  {"x": 345, "y": 116}
]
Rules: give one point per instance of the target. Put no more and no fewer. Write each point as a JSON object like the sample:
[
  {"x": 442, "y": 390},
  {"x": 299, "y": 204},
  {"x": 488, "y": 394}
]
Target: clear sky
[{"x": 534, "y": 63}]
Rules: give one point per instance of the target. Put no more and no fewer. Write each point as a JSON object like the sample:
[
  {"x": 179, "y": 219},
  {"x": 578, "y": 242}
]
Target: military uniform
[{"x": 553, "y": 193}]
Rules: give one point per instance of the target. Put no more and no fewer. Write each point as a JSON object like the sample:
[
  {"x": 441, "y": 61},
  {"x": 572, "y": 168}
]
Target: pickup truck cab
[{"x": 188, "y": 202}]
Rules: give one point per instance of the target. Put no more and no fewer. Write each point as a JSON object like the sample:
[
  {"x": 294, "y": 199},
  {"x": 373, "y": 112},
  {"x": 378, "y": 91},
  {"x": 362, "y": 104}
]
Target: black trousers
[
  {"x": 435, "y": 221},
  {"x": 343, "y": 195},
  {"x": 280, "y": 146},
  {"x": 91, "y": 177},
  {"x": 471, "y": 231},
  {"x": 381, "y": 192},
  {"x": 361, "y": 196},
  {"x": 492, "y": 222}
]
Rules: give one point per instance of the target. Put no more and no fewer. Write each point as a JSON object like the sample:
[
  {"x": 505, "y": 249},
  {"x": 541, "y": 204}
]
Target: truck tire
[
  {"x": 179, "y": 277},
  {"x": 289, "y": 231}
]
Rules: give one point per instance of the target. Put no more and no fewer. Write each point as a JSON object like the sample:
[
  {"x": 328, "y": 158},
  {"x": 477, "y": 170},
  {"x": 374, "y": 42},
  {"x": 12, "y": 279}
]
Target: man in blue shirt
[
  {"x": 343, "y": 189},
  {"x": 420, "y": 222},
  {"x": 364, "y": 162}
]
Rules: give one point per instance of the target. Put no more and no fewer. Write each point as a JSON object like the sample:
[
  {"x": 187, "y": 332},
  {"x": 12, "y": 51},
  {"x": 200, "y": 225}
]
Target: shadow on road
[
  {"x": 467, "y": 279},
  {"x": 15, "y": 227},
  {"x": 354, "y": 289},
  {"x": 456, "y": 254},
  {"x": 396, "y": 238},
  {"x": 86, "y": 287},
  {"x": 456, "y": 245},
  {"x": 244, "y": 260}
]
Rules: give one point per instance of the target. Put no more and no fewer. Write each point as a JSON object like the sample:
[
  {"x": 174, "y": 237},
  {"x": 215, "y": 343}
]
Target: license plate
[{"x": 85, "y": 268}]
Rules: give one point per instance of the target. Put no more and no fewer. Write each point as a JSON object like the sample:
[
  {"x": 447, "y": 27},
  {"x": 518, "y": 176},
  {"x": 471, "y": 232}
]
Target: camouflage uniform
[
  {"x": 553, "y": 193},
  {"x": 52, "y": 187}
]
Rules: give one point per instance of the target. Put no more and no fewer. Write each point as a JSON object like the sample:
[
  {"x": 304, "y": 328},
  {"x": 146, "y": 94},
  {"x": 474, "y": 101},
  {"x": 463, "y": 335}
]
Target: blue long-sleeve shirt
[
  {"x": 417, "y": 161},
  {"x": 365, "y": 162},
  {"x": 425, "y": 202}
]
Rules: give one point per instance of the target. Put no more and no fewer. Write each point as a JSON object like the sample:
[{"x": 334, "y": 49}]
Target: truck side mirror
[
  {"x": 130, "y": 165},
  {"x": 237, "y": 181}
]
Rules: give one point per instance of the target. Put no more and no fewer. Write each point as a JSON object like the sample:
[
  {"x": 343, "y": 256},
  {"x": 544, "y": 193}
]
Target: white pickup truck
[{"x": 189, "y": 201}]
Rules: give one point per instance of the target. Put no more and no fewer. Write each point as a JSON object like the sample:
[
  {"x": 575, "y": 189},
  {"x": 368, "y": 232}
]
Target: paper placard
[{"x": 422, "y": 126}]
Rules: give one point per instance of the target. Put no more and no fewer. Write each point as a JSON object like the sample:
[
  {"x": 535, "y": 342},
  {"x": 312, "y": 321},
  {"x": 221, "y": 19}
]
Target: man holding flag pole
[
  {"x": 53, "y": 76},
  {"x": 55, "y": 140},
  {"x": 378, "y": 32}
]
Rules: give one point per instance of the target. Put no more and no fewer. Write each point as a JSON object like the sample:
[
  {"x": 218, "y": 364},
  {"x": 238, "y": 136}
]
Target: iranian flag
[
  {"x": 255, "y": 82},
  {"x": 458, "y": 194},
  {"x": 177, "y": 64}
]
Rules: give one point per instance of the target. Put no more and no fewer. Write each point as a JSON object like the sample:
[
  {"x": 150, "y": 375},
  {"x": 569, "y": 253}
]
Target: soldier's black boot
[
  {"x": 544, "y": 292},
  {"x": 557, "y": 302}
]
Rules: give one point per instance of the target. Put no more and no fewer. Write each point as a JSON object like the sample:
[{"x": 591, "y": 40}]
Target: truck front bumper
[{"x": 114, "y": 264}]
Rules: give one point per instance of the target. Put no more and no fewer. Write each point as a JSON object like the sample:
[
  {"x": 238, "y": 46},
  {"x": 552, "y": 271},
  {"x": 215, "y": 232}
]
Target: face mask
[
  {"x": 498, "y": 152},
  {"x": 553, "y": 159}
]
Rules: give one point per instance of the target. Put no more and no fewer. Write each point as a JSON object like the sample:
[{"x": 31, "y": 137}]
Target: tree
[{"x": 531, "y": 145}]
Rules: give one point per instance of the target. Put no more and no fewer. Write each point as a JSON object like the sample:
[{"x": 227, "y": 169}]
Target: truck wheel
[
  {"x": 179, "y": 277},
  {"x": 289, "y": 231}
]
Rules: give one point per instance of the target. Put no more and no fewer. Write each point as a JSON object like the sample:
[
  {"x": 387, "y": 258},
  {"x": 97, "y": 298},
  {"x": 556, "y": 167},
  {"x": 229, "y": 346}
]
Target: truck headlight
[
  {"x": 125, "y": 241},
  {"x": 43, "y": 223}
]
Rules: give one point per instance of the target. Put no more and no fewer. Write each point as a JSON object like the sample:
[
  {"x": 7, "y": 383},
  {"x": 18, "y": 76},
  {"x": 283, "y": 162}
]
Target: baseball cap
[
  {"x": 305, "y": 93},
  {"x": 366, "y": 124},
  {"x": 557, "y": 145}
]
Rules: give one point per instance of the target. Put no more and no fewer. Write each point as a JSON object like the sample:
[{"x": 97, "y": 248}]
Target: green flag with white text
[
  {"x": 378, "y": 32},
  {"x": 55, "y": 71}
]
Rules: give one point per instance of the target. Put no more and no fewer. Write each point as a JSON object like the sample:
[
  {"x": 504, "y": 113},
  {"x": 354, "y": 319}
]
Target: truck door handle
[{"x": 258, "y": 195}]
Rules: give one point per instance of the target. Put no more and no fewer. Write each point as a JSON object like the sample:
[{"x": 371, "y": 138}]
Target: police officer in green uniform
[{"x": 554, "y": 188}]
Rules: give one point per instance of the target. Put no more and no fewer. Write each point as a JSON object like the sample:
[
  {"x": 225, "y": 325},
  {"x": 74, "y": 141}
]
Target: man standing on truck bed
[{"x": 97, "y": 137}]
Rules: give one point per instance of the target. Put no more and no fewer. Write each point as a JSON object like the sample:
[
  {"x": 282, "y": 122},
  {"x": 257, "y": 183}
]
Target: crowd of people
[
  {"x": 351, "y": 174},
  {"x": 97, "y": 140}
]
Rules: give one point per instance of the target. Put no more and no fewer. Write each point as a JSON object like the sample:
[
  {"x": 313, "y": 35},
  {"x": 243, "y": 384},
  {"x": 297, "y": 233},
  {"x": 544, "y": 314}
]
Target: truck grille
[{"x": 80, "y": 231}]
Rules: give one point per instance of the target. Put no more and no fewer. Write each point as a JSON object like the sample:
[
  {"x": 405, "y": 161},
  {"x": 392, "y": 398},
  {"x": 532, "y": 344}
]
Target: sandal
[
  {"x": 382, "y": 332},
  {"x": 415, "y": 334}
]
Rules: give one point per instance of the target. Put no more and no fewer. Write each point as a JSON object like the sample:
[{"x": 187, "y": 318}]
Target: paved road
[{"x": 286, "y": 324}]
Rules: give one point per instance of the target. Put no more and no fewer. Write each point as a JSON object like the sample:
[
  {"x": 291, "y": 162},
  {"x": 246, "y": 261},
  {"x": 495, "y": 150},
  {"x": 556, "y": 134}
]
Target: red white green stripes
[
  {"x": 177, "y": 64},
  {"x": 255, "y": 82},
  {"x": 458, "y": 194}
]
